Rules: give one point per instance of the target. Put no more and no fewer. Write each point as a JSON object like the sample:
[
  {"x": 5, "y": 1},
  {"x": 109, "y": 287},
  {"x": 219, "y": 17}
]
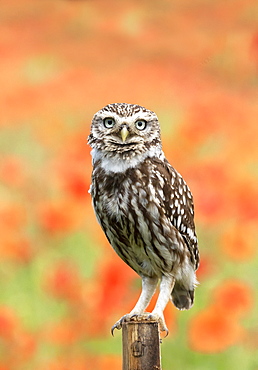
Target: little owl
[{"x": 144, "y": 207}]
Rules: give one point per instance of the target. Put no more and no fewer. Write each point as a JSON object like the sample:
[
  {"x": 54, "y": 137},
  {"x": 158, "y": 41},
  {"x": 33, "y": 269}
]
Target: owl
[{"x": 144, "y": 207}]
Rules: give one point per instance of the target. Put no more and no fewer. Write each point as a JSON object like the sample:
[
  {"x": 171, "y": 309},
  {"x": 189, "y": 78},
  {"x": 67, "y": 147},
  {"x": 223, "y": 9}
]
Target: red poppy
[
  {"x": 64, "y": 333},
  {"x": 12, "y": 171},
  {"x": 212, "y": 331},
  {"x": 110, "y": 362},
  {"x": 207, "y": 267},
  {"x": 58, "y": 216},
  {"x": 65, "y": 282},
  {"x": 16, "y": 248},
  {"x": 113, "y": 293},
  {"x": 25, "y": 346},
  {"x": 238, "y": 241},
  {"x": 235, "y": 297},
  {"x": 245, "y": 200},
  {"x": 254, "y": 48},
  {"x": 69, "y": 361},
  {"x": 12, "y": 216},
  {"x": 114, "y": 280},
  {"x": 8, "y": 323}
]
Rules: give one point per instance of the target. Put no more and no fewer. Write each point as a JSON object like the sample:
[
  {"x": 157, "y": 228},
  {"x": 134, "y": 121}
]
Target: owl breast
[
  {"x": 117, "y": 216},
  {"x": 131, "y": 213}
]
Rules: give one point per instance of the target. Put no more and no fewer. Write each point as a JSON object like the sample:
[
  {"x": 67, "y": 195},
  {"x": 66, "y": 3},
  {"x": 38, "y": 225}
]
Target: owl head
[{"x": 124, "y": 130}]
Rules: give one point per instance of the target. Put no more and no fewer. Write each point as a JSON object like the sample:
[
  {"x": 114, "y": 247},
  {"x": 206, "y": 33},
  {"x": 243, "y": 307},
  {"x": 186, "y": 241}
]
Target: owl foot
[
  {"x": 128, "y": 317},
  {"x": 145, "y": 316},
  {"x": 161, "y": 321},
  {"x": 118, "y": 324}
]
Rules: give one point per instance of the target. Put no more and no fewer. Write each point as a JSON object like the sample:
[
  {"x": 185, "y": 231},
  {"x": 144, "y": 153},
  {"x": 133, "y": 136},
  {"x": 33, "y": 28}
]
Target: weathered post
[{"x": 141, "y": 345}]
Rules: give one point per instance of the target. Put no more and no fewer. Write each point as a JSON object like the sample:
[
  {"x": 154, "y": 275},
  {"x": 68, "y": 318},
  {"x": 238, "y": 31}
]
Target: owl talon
[
  {"x": 118, "y": 324},
  {"x": 161, "y": 321}
]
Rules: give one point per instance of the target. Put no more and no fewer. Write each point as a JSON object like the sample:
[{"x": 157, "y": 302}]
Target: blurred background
[{"x": 61, "y": 285}]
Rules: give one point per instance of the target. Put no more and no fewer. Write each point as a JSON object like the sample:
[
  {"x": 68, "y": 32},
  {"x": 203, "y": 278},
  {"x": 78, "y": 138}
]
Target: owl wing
[{"x": 178, "y": 205}]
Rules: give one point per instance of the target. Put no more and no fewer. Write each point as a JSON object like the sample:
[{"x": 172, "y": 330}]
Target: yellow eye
[
  {"x": 109, "y": 122},
  {"x": 140, "y": 124}
]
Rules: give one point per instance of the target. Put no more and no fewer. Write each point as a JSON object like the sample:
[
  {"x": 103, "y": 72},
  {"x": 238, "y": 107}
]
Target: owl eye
[
  {"x": 109, "y": 122},
  {"x": 140, "y": 124}
]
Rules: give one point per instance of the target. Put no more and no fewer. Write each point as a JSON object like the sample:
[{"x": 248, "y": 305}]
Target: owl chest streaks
[{"x": 135, "y": 211}]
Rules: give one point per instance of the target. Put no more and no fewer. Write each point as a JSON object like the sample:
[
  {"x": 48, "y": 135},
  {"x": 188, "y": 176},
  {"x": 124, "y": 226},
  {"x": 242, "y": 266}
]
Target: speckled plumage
[{"x": 144, "y": 206}]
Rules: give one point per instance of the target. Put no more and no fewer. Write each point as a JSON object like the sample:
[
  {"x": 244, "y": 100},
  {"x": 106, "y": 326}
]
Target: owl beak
[{"x": 124, "y": 133}]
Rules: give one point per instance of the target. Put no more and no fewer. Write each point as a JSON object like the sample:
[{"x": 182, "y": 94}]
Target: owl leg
[
  {"x": 166, "y": 287},
  {"x": 148, "y": 289}
]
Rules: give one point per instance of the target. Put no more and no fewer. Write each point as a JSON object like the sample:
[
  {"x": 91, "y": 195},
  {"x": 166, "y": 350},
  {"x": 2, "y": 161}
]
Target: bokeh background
[{"x": 195, "y": 63}]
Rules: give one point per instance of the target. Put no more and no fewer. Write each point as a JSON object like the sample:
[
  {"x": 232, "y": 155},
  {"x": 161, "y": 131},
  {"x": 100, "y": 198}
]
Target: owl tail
[{"x": 182, "y": 298}]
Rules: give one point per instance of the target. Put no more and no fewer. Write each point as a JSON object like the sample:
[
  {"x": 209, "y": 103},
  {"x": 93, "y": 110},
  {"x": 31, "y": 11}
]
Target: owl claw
[
  {"x": 161, "y": 321},
  {"x": 126, "y": 318},
  {"x": 118, "y": 324},
  {"x": 115, "y": 326}
]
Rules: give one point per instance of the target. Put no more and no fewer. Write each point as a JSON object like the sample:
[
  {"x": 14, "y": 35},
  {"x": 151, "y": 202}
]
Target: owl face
[{"x": 124, "y": 129}]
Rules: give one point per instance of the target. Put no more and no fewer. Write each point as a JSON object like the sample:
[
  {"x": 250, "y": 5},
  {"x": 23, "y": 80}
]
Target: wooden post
[{"x": 141, "y": 345}]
